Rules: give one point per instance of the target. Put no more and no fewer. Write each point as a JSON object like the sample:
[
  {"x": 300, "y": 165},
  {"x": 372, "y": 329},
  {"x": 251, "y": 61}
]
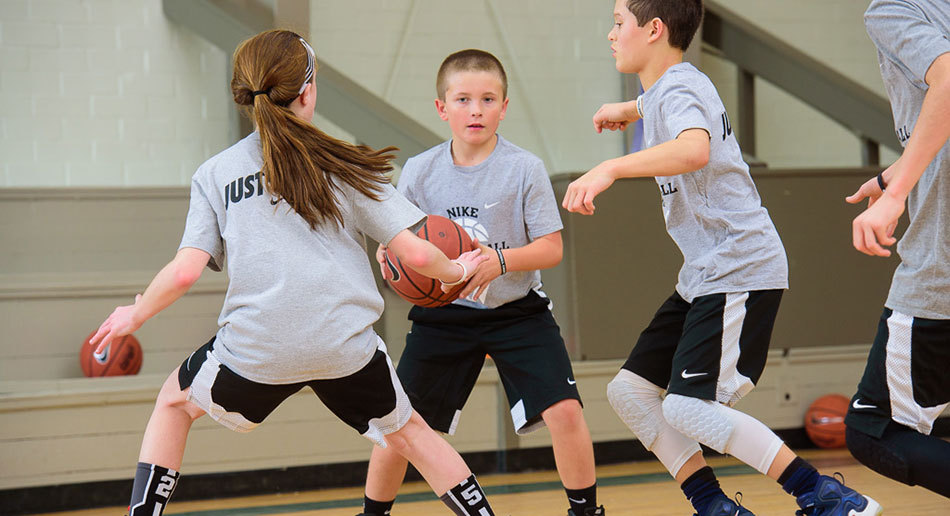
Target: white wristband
[
  {"x": 640, "y": 106},
  {"x": 460, "y": 280}
]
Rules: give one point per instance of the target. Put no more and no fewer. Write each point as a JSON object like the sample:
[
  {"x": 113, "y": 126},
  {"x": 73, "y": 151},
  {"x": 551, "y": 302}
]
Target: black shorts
[
  {"x": 446, "y": 348},
  {"x": 906, "y": 378},
  {"x": 370, "y": 400},
  {"x": 714, "y": 348}
]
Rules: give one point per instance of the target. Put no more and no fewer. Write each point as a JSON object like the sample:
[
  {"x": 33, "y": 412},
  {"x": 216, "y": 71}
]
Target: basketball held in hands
[{"x": 421, "y": 290}]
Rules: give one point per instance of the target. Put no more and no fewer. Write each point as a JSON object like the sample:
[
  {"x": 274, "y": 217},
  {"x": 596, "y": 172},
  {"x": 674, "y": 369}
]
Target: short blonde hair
[{"x": 470, "y": 60}]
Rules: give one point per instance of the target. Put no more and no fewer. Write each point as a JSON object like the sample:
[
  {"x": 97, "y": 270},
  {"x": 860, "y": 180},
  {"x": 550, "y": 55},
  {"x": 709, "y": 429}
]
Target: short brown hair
[
  {"x": 470, "y": 60},
  {"x": 681, "y": 17}
]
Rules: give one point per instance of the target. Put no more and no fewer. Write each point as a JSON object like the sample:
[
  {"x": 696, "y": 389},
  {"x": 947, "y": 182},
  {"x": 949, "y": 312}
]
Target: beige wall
[
  {"x": 555, "y": 52},
  {"x": 790, "y": 133}
]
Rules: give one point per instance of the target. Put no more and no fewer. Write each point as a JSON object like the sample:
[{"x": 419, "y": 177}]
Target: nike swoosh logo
[
  {"x": 103, "y": 357},
  {"x": 582, "y": 500},
  {"x": 492, "y": 205},
  {"x": 393, "y": 270},
  {"x": 859, "y": 406},
  {"x": 572, "y": 382},
  {"x": 686, "y": 375}
]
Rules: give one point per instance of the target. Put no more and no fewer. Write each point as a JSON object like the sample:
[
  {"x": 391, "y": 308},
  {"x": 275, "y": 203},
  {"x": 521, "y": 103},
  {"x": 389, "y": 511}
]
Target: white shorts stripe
[
  {"x": 732, "y": 385},
  {"x": 900, "y": 384}
]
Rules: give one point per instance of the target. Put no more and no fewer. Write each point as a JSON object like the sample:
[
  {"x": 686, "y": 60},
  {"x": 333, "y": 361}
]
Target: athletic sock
[
  {"x": 467, "y": 499},
  {"x": 799, "y": 478},
  {"x": 581, "y": 499},
  {"x": 151, "y": 490},
  {"x": 374, "y": 508},
  {"x": 701, "y": 488}
]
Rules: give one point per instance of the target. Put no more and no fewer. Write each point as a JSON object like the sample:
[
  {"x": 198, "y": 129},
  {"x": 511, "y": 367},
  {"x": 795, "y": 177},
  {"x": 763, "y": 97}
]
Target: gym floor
[{"x": 640, "y": 488}]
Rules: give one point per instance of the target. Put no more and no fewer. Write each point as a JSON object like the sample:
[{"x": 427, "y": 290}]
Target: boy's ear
[
  {"x": 657, "y": 29},
  {"x": 440, "y": 108},
  {"x": 504, "y": 109}
]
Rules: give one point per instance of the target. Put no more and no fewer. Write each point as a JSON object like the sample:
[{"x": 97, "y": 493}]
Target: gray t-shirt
[
  {"x": 301, "y": 302},
  {"x": 910, "y": 35},
  {"x": 505, "y": 201},
  {"x": 714, "y": 214}
]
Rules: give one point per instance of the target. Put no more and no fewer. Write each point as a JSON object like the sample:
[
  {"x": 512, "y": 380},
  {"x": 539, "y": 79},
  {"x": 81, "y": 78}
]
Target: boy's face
[
  {"x": 628, "y": 40},
  {"x": 474, "y": 105}
]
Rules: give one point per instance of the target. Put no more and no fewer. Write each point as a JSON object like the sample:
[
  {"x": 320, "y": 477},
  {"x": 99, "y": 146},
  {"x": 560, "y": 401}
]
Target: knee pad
[
  {"x": 637, "y": 402},
  {"x": 877, "y": 455},
  {"x": 723, "y": 429},
  {"x": 699, "y": 419}
]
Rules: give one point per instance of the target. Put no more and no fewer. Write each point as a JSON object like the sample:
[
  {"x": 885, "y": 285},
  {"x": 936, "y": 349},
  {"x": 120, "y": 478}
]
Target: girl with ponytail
[{"x": 286, "y": 210}]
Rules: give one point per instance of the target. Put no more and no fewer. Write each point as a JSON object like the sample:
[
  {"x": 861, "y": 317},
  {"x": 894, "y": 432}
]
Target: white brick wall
[{"x": 106, "y": 93}]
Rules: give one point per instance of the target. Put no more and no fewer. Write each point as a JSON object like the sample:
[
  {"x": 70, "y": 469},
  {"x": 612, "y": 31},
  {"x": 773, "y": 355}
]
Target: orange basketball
[
  {"x": 121, "y": 357},
  {"x": 421, "y": 290},
  {"x": 824, "y": 421}
]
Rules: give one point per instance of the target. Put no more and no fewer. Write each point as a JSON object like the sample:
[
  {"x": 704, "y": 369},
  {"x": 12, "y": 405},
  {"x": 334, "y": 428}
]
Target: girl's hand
[
  {"x": 469, "y": 262},
  {"x": 119, "y": 324},
  {"x": 485, "y": 274}
]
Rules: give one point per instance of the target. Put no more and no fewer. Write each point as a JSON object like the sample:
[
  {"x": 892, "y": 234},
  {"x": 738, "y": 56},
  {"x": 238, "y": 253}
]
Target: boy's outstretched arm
[
  {"x": 875, "y": 226},
  {"x": 543, "y": 253},
  {"x": 168, "y": 285},
  {"x": 687, "y": 153}
]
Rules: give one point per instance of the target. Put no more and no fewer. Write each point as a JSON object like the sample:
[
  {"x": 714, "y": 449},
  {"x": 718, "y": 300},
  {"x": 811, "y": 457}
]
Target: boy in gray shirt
[
  {"x": 502, "y": 196},
  {"x": 707, "y": 344},
  {"x": 905, "y": 385}
]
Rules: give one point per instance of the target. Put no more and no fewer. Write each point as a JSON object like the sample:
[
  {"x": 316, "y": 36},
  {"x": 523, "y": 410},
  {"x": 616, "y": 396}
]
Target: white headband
[{"x": 311, "y": 60}]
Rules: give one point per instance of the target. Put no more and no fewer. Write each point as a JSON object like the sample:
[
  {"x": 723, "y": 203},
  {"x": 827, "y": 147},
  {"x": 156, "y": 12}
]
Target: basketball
[
  {"x": 824, "y": 421},
  {"x": 421, "y": 290},
  {"x": 123, "y": 356}
]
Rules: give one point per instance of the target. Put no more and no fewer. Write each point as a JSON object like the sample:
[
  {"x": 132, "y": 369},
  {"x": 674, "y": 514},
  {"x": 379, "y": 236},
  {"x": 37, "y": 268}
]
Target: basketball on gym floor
[
  {"x": 123, "y": 356},
  {"x": 421, "y": 290},
  {"x": 824, "y": 421}
]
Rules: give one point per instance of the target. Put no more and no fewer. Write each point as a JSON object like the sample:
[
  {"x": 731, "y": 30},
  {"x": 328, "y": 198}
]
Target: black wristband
[
  {"x": 501, "y": 261},
  {"x": 880, "y": 181}
]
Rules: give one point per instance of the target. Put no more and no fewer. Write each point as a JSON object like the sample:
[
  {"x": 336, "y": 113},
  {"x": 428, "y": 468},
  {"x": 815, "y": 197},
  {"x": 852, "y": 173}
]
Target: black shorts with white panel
[
  {"x": 446, "y": 348},
  {"x": 906, "y": 378},
  {"x": 371, "y": 400},
  {"x": 714, "y": 348}
]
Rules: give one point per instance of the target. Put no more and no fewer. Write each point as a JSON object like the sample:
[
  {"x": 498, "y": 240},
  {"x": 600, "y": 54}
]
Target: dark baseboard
[{"x": 303, "y": 478}]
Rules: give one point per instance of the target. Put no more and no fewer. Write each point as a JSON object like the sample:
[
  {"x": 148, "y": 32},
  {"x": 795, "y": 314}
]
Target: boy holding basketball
[
  {"x": 502, "y": 196},
  {"x": 707, "y": 344},
  {"x": 905, "y": 385}
]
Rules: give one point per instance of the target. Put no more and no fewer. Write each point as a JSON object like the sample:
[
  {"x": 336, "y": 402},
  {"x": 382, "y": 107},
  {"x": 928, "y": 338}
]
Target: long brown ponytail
[{"x": 269, "y": 71}]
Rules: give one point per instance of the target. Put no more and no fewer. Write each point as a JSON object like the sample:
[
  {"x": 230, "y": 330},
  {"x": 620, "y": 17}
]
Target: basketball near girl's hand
[
  {"x": 123, "y": 356},
  {"x": 421, "y": 290}
]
